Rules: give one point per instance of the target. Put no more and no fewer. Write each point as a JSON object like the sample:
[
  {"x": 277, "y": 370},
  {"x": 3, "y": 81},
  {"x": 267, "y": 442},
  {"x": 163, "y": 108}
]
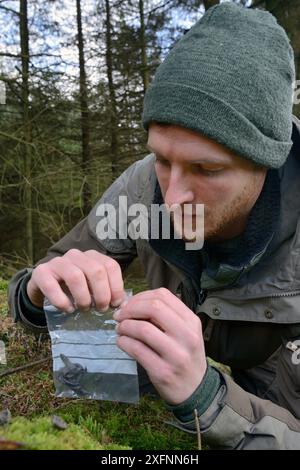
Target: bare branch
[
  {"x": 10, "y": 10},
  {"x": 25, "y": 366},
  {"x": 8, "y": 54}
]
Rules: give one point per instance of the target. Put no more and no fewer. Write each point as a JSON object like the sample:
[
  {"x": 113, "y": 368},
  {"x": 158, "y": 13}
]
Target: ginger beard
[{"x": 217, "y": 219}]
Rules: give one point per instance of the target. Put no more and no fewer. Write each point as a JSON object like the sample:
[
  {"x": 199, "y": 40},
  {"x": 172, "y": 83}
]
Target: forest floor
[{"x": 29, "y": 394}]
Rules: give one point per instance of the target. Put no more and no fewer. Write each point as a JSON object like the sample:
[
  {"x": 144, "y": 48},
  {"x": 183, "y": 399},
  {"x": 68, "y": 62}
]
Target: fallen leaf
[{"x": 6, "y": 444}]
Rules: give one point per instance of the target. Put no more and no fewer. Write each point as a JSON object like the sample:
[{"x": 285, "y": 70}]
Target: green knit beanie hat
[{"x": 230, "y": 78}]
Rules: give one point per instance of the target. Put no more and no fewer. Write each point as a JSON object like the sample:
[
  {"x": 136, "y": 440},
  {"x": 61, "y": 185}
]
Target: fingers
[
  {"x": 88, "y": 276},
  {"x": 96, "y": 280},
  {"x": 165, "y": 311},
  {"x": 114, "y": 279},
  {"x": 43, "y": 280},
  {"x": 73, "y": 276},
  {"x": 145, "y": 356},
  {"x": 163, "y": 296},
  {"x": 150, "y": 311},
  {"x": 148, "y": 334}
]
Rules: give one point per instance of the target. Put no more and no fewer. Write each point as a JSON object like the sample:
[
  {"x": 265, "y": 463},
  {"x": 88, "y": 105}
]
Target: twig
[
  {"x": 26, "y": 366},
  {"x": 198, "y": 429}
]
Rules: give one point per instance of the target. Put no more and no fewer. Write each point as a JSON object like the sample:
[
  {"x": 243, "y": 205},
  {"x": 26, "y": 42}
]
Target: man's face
[{"x": 193, "y": 169}]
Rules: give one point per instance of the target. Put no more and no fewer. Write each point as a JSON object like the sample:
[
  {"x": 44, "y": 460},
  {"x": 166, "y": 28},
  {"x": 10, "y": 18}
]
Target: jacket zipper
[{"x": 270, "y": 296}]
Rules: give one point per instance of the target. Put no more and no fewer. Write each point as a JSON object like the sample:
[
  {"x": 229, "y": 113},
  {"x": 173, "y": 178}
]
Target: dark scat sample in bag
[
  {"x": 87, "y": 363},
  {"x": 72, "y": 375}
]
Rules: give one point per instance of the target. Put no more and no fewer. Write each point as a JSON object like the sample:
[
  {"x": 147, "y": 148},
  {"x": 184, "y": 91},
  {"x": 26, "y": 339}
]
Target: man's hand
[
  {"x": 85, "y": 274},
  {"x": 165, "y": 337}
]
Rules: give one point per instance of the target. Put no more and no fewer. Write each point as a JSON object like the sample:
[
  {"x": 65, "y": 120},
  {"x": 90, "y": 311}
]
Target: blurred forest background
[{"x": 75, "y": 74}]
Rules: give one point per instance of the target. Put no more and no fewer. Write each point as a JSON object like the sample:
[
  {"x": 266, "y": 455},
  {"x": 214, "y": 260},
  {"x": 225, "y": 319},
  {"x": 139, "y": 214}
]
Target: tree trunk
[
  {"x": 112, "y": 95},
  {"x": 287, "y": 13},
  {"x": 210, "y": 3},
  {"x": 27, "y": 138},
  {"x": 145, "y": 75},
  {"x": 85, "y": 118}
]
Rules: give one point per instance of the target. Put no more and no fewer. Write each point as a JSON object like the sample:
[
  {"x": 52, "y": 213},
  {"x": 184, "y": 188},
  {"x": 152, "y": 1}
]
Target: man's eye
[
  {"x": 212, "y": 172},
  {"x": 208, "y": 171}
]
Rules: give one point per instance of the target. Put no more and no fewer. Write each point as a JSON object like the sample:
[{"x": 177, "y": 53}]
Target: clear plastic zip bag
[{"x": 87, "y": 363}]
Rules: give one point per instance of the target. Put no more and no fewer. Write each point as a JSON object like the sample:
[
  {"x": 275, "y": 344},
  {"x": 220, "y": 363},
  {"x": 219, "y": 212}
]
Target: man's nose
[{"x": 178, "y": 190}]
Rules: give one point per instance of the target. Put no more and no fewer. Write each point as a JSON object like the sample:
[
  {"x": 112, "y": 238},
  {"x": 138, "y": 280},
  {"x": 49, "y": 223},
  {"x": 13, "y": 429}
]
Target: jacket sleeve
[
  {"x": 82, "y": 237},
  {"x": 237, "y": 419}
]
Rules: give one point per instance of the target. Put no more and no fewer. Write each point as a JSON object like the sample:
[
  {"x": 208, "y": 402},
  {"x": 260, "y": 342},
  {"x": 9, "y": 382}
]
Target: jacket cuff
[
  {"x": 29, "y": 313},
  {"x": 201, "y": 399}
]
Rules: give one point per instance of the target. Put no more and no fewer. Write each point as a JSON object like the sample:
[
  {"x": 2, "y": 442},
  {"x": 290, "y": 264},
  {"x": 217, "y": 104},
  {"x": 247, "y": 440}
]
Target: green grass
[{"x": 30, "y": 396}]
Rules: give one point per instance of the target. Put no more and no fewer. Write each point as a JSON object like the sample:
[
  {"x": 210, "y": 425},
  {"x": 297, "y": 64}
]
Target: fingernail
[
  {"x": 70, "y": 310},
  {"x": 116, "y": 314},
  {"x": 104, "y": 309},
  {"x": 116, "y": 303}
]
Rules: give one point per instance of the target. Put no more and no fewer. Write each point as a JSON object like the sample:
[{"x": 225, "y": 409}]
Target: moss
[
  {"x": 40, "y": 434},
  {"x": 92, "y": 424},
  {"x": 140, "y": 427},
  {"x": 3, "y": 285}
]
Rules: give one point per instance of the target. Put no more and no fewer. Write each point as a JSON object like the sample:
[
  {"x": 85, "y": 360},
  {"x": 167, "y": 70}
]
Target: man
[{"x": 219, "y": 121}]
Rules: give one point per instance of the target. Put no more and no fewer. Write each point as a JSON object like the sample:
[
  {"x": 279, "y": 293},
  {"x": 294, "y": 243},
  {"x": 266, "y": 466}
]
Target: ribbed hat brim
[{"x": 210, "y": 116}]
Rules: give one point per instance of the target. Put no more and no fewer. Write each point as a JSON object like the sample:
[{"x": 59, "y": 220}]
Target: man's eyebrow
[
  {"x": 195, "y": 161},
  {"x": 154, "y": 151}
]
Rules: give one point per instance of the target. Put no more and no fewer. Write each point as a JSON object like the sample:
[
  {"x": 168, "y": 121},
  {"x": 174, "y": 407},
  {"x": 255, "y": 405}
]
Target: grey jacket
[{"x": 252, "y": 327}]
